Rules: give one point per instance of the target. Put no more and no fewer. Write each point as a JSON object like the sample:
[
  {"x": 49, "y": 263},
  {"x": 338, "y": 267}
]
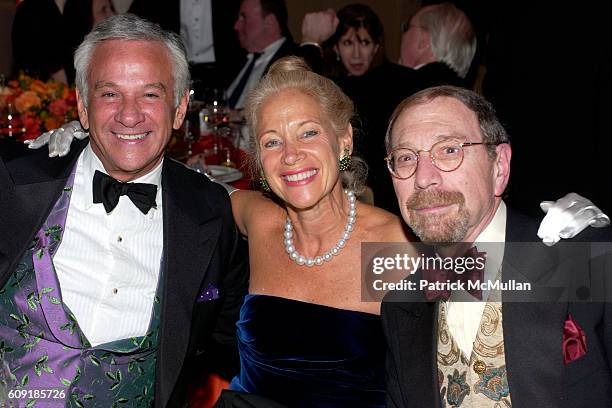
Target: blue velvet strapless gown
[{"x": 306, "y": 355}]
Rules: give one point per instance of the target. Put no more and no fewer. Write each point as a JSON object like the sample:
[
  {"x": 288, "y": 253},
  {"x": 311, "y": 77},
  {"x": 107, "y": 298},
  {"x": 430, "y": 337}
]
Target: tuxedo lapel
[
  {"x": 27, "y": 209},
  {"x": 414, "y": 345},
  {"x": 533, "y": 331},
  {"x": 29, "y": 191},
  {"x": 190, "y": 237}
]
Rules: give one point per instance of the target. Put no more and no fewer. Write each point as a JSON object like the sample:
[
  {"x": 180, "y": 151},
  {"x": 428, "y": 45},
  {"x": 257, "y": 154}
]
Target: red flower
[
  {"x": 58, "y": 107},
  {"x": 574, "y": 341},
  {"x": 32, "y": 124}
]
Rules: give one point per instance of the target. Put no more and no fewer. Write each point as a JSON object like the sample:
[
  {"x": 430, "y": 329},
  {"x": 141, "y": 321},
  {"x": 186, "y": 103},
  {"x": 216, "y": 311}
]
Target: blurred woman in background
[{"x": 354, "y": 47}]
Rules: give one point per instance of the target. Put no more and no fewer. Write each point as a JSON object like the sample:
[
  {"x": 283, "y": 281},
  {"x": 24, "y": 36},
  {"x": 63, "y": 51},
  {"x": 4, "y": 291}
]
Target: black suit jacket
[
  {"x": 533, "y": 334},
  {"x": 39, "y": 39},
  {"x": 229, "y": 56},
  {"x": 436, "y": 74},
  {"x": 201, "y": 247},
  {"x": 310, "y": 54}
]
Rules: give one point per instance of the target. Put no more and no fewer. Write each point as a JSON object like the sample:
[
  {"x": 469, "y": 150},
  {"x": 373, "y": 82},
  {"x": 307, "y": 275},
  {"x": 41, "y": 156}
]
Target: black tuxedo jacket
[
  {"x": 37, "y": 49},
  {"x": 533, "y": 334},
  {"x": 201, "y": 247},
  {"x": 229, "y": 56}
]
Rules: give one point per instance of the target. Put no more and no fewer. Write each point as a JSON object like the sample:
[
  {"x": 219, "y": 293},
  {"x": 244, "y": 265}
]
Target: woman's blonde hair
[{"x": 294, "y": 73}]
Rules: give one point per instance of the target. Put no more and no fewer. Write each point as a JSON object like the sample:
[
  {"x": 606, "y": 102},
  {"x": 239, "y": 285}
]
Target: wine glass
[
  {"x": 191, "y": 124},
  {"x": 10, "y": 123},
  {"x": 218, "y": 109}
]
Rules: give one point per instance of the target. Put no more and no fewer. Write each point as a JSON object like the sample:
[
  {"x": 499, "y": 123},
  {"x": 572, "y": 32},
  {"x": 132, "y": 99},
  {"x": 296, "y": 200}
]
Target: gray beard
[{"x": 434, "y": 229}]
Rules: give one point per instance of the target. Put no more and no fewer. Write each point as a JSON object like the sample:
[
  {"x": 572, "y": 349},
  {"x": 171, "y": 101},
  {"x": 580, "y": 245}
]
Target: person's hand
[
  {"x": 319, "y": 26},
  {"x": 59, "y": 139},
  {"x": 566, "y": 217}
]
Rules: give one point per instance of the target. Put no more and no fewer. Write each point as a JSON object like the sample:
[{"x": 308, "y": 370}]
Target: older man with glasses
[{"x": 449, "y": 157}]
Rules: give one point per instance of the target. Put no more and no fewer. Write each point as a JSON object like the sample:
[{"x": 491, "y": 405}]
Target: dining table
[{"x": 215, "y": 154}]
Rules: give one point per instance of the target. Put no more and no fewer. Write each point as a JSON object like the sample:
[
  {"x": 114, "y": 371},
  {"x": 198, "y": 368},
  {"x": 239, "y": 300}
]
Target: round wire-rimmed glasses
[{"x": 446, "y": 155}]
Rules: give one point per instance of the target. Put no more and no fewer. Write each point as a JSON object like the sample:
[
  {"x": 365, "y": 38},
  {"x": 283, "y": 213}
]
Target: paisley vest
[
  {"x": 480, "y": 381},
  {"x": 45, "y": 359}
]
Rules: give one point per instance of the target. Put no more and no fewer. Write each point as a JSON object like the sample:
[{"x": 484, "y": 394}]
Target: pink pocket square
[{"x": 574, "y": 341}]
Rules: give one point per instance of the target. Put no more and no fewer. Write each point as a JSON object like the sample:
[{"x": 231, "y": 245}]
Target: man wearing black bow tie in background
[
  {"x": 450, "y": 161},
  {"x": 140, "y": 247}
]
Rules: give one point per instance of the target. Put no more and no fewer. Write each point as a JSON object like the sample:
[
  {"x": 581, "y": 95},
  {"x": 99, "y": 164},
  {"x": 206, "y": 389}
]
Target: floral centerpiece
[{"x": 39, "y": 105}]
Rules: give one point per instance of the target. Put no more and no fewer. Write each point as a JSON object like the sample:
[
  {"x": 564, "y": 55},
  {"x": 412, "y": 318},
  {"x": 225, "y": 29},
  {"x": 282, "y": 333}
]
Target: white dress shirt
[
  {"x": 257, "y": 72},
  {"x": 462, "y": 312},
  {"x": 196, "y": 30},
  {"x": 60, "y": 5},
  {"x": 108, "y": 264}
]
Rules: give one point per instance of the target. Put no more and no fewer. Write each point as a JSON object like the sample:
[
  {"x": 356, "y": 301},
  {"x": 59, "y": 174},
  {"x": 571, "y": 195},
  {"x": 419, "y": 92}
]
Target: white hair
[
  {"x": 452, "y": 37},
  {"x": 130, "y": 27}
]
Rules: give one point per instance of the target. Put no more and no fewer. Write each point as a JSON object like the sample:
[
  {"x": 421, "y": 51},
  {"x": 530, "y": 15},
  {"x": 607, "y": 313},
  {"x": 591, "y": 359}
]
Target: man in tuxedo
[
  {"x": 119, "y": 265},
  {"x": 213, "y": 50},
  {"x": 450, "y": 161}
]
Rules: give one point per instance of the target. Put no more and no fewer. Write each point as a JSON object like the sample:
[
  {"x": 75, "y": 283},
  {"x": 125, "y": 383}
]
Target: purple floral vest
[{"x": 45, "y": 359}]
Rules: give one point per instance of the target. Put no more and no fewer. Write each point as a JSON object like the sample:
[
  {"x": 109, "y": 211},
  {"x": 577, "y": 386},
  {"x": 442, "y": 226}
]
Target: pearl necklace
[{"x": 335, "y": 250}]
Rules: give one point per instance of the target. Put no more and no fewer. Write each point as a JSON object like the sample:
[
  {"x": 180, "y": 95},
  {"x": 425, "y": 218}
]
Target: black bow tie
[{"x": 107, "y": 190}]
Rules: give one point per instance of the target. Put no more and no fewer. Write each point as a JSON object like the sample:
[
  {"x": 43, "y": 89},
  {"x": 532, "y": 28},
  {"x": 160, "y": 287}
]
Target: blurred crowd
[{"x": 547, "y": 83}]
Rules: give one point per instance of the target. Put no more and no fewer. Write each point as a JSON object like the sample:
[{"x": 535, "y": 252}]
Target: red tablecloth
[{"x": 206, "y": 146}]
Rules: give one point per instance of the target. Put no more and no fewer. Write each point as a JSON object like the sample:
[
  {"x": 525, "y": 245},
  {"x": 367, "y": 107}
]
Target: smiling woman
[{"x": 305, "y": 249}]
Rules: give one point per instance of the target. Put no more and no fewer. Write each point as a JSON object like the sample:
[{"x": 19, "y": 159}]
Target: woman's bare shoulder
[
  {"x": 252, "y": 209},
  {"x": 383, "y": 226}
]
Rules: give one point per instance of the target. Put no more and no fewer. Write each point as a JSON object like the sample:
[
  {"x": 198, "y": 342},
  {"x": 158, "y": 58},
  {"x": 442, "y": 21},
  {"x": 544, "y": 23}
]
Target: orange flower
[
  {"x": 38, "y": 86},
  {"x": 66, "y": 91},
  {"x": 7, "y": 95},
  {"x": 27, "y": 101},
  {"x": 53, "y": 122},
  {"x": 42, "y": 105}
]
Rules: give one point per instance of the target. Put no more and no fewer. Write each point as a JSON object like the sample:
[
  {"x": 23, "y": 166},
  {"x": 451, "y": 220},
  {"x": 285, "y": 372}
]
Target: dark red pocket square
[{"x": 574, "y": 341}]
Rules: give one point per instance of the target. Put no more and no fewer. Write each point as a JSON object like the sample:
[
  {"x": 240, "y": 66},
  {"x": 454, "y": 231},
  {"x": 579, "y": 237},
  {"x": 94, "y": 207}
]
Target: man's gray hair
[
  {"x": 128, "y": 27},
  {"x": 452, "y": 37},
  {"x": 493, "y": 132}
]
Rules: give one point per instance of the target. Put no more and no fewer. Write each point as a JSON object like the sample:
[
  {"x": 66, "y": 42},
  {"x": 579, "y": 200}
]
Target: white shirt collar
[
  {"x": 270, "y": 50},
  {"x": 90, "y": 163},
  {"x": 496, "y": 230},
  {"x": 60, "y": 5},
  {"x": 490, "y": 241}
]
